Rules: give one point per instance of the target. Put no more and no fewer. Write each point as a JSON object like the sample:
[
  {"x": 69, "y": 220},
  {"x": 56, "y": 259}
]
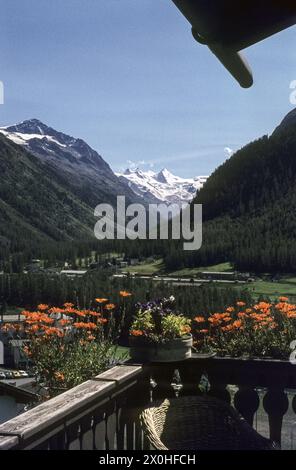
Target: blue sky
[{"x": 126, "y": 76}]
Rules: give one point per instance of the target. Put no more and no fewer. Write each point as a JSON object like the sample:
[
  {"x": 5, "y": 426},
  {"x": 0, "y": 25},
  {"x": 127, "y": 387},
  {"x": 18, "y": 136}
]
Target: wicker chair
[{"x": 199, "y": 423}]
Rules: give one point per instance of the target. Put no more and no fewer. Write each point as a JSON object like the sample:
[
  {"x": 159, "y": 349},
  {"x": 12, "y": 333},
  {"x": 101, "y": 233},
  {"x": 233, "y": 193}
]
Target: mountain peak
[
  {"x": 30, "y": 126},
  {"x": 165, "y": 171},
  {"x": 288, "y": 121},
  {"x": 164, "y": 176},
  {"x": 34, "y": 128},
  {"x": 55, "y": 147}
]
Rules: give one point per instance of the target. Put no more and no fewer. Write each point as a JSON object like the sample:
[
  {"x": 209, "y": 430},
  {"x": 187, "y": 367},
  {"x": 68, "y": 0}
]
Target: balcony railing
[{"x": 103, "y": 413}]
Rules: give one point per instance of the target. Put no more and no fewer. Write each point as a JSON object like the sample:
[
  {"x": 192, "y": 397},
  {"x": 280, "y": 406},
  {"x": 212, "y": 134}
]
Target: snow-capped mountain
[
  {"x": 55, "y": 147},
  {"x": 163, "y": 186},
  {"x": 84, "y": 170},
  {"x": 71, "y": 159}
]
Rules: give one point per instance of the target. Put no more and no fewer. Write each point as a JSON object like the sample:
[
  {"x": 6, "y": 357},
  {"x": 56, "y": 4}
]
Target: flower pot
[
  {"x": 173, "y": 350},
  {"x": 206, "y": 355}
]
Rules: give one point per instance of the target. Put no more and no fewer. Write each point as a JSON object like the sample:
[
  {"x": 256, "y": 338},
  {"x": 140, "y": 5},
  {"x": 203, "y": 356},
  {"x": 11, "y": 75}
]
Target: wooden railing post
[
  {"x": 247, "y": 401},
  {"x": 163, "y": 375},
  {"x": 190, "y": 378},
  {"x": 276, "y": 405}
]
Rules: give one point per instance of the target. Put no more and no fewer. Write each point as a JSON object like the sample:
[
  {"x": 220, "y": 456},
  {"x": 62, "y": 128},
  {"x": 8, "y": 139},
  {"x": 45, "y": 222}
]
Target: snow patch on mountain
[
  {"x": 23, "y": 139},
  {"x": 162, "y": 186}
]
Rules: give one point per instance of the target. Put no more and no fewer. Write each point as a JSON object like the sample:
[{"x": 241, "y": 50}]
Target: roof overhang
[{"x": 228, "y": 26}]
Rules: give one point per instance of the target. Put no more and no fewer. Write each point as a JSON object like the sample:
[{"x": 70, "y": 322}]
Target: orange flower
[
  {"x": 204, "y": 332},
  {"x": 25, "y": 313},
  {"x": 263, "y": 306},
  {"x": 42, "y": 307},
  {"x": 46, "y": 319},
  {"x": 284, "y": 307},
  {"x": 101, "y": 300},
  {"x": 68, "y": 305},
  {"x": 283, "y": 299},
  {"x": 64, "y": 322},
  {"x": 86, "y": 326},
  {"x": 79, "y": 325},
  {"x": 259, "y": 317},
  {"x": 230, "y": 309},
  {"x": 37, "y": 317},
  {"x": 240, "y": 304},
  {"x": 35, "y": 328},
  {"x": 59, "y": 376},
  {"x": 52, "y": 331},
  {"x": 186, "y": 329},
  {"x": 237, "y": 324},
  {"x": 91, "y": 338},
  {"x": 227, "y": 328},
  {"x": 227, "y": 319},
  {"x": 93, "y": 313},
  {"x": 54, "y": 310},
  {"x": 80, "y": 313},
  {"x": 110, "y": 307},
  {"x": 124, "y": 293},
  {"x": 291, "y": 315},
  {"x": 241, "y": 315},
  {"x": 136, "y": 333},
  {"x": 214, "y": 321},
  {"x": 69, "y": 310},
  {"x": 199, "y": 319}
]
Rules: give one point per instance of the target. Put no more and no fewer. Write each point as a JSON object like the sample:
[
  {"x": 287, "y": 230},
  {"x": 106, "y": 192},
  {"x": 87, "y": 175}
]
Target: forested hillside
[
  {"x": 249, "y": 206},
  {"x": 36, "y": 208}
]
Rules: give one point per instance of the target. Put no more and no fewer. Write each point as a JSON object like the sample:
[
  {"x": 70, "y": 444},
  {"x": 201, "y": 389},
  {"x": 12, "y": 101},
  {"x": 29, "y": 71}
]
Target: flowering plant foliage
[
  {"x": 263, "y": 329},
  {"x": 69, "y": 345},
  {"x": 156, "y": 321}
]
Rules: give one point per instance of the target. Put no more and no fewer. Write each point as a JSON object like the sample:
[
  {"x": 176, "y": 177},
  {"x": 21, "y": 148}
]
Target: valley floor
[{"x": 261, "y": 286}]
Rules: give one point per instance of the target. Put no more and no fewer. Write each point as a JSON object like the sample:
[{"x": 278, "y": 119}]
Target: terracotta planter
[{"x": 174, "y": 350}]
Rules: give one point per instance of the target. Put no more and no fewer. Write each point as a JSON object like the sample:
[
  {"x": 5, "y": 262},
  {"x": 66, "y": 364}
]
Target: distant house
[
  {"x": 219, "y": 275},
  {"x": 123, "y": 264},
  {"x": 13, "y": 399},
  {"x": 11, "y": 352},
  {"x": 118, "y": 261},
  {"x": 73, "y": 273},
  {"x": 1, "y": 353},
  {"x": 95, "y": 265},
  {"x": 52, "y": 271},
  {"x": 33, "y": 269},
  {"x": 134, "y": 261},
  {"x": 15, "y": 356},
  {"x": 35, "y": 266}
]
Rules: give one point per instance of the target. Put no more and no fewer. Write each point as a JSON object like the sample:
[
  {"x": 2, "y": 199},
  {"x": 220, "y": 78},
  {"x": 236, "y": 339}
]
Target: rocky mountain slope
[{"x": 80, "y": 167}]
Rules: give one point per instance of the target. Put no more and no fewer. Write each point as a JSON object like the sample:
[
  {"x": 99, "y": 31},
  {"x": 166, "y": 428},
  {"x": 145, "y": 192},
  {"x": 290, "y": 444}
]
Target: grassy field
[
  {"x": 191, "y": 272},
  {"x": 157, "y": 267},
  {"x": 286, "y": 286}
]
